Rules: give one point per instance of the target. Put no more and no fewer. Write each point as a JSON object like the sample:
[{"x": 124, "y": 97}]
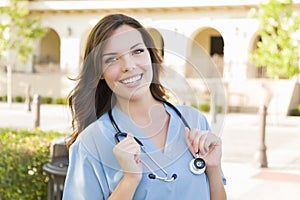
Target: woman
[{"x": 118, "y": 90}]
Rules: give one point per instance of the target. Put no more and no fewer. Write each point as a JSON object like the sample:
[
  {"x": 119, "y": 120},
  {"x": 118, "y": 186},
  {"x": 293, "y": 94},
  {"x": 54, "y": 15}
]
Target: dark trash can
[{"x": 56, "y": 170}]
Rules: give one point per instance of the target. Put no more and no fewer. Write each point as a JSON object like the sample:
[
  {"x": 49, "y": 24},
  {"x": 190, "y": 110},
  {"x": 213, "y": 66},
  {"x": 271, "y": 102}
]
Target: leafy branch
[{"x": 278, "y": 47}]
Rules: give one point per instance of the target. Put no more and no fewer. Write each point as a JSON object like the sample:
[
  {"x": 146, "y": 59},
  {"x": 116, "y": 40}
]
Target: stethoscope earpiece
[
  {"x": 151, "y": 176},
  {"x": 165, "y": 179},
  {"x": 197, "y": 165},
  {"x": 174, "y": 176}
]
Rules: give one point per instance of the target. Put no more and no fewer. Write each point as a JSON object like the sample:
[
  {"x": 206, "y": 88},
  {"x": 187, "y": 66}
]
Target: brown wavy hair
[{"x": 91, "y": 97}]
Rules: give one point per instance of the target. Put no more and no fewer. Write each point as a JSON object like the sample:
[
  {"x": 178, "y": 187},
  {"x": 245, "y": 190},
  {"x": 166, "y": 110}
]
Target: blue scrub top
[{"x": 94, "y": 172}]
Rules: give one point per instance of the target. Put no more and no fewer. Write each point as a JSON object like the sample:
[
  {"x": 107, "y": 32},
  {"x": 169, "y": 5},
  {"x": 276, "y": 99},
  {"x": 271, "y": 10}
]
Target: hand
[
  {"x": 127, "y": 153},
  {"x": 209, "y": 146}
]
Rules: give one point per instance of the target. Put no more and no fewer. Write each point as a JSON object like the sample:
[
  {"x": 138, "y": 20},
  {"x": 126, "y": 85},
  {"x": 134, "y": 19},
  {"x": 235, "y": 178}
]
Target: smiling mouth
[{"x": 132, "y": 79}]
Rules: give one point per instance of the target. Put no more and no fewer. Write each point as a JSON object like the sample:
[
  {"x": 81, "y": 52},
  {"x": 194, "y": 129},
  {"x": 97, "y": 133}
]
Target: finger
[
  {"x": 186, "y": 135},
  {"x": 187, "y": 140},
  {"x": 129, "y": 135},
  {"x": 215, "y": 142},
  {"x": 210, "y": 142},
  {"x": 203, "y": 142},
  {"x": 133, "y": 146},
  {"x": 197, "y": 142},
  {"x": 192, "y": 134},
  {"x": 128, "y": 145},
  {"x": 137, "y": 157},
  {"x": 125, "y": 140}
]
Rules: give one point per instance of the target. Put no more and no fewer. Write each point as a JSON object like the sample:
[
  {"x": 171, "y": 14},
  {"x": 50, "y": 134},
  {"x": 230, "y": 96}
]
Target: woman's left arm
[
  {"x": 217, "y": 190},
  {"x": 209, "y": 147},
  {"x": 212, "y": 158}
]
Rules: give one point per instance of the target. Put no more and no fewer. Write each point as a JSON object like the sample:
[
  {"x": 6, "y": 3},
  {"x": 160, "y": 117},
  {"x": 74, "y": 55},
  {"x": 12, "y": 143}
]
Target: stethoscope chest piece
[{"x": 197, "y": 165}]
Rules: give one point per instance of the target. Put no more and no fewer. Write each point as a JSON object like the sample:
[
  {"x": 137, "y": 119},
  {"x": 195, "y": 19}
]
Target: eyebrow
[{"x": 113, "y": 53}]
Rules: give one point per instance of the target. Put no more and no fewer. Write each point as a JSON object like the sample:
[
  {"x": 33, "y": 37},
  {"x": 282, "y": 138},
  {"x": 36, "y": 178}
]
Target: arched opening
[
  {"x": 47, "y": 58},
  {"x": 207, "y": 49},
  {"x": 258, "y": 71},
  {"x": 158, "y": 40}
]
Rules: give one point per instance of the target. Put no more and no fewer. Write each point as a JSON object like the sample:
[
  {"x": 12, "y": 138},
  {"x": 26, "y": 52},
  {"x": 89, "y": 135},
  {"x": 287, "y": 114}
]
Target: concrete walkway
[
  {"x": 245, "y": 180},
  {"x": 240, "y": 135}
]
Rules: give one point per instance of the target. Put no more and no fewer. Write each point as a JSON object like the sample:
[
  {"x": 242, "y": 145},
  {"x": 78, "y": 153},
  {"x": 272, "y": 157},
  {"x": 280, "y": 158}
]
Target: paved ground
[
  {"x": 281, "y": 180},
  {"x": 240, "y": 135}
]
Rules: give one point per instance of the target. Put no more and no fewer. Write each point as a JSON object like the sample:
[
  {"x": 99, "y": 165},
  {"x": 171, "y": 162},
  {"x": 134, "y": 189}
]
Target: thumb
[{"x": 129, "y": 135}]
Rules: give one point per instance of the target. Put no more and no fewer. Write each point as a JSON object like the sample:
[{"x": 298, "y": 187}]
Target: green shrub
[
  {"x": 47, "y": 100},
  {"x": 205, "y": 107},
  {"x": 295, "y": 111},
  {"x": 194, "y": 105},
  {"x": 23, "y": 153},
  {"x": 60, "y": 100},
  {"x": 219, "y": 109},
  {"x": 18, "y": 99}
]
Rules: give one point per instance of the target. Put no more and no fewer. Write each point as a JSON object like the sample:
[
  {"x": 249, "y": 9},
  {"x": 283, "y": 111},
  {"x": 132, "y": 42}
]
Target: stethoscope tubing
[{"x": 193, "y": 164}]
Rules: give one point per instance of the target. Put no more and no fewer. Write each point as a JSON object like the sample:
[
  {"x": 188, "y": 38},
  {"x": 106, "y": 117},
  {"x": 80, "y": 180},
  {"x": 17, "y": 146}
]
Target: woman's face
[{"x": 126, "y": 62}]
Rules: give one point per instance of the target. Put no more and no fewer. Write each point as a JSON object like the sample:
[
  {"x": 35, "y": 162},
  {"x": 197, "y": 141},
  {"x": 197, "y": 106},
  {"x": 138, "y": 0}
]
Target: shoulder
[
  {"x": 190, "y": 111},
  {"x": 96, "y": 136},
  {"x": 193, "y": 116},
  {"x": 186, "y": 108}
]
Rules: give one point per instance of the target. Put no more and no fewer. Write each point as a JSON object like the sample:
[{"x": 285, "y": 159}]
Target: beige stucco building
[{"x": 224, "y": 29}]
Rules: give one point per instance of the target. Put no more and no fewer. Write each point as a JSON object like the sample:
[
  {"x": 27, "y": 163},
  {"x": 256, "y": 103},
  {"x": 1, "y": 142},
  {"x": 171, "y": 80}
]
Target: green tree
[
  {"x": 18, "y": 32},
  {"x": 277, "y": 49}
]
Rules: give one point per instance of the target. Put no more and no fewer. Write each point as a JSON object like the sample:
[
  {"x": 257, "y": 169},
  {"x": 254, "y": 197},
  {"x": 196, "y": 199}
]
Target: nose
[{"x": 127, "y": 62}]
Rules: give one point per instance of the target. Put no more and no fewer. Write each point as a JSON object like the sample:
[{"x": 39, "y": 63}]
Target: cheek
[
  {"x": 146, "y": 64},
  {"x": 111, "y": 75},
  {"x": 149, "y": 67},
  {"x": 148, "y": 60}
]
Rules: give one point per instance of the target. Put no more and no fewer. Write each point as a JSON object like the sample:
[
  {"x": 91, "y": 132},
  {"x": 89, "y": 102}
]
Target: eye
[
  {"x": 138, "y": 51},
  {"x": 110, "y": 60}
]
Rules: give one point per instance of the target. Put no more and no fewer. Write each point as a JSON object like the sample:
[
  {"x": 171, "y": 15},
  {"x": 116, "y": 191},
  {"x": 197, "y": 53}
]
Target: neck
[{"x": 142, "y": 111}]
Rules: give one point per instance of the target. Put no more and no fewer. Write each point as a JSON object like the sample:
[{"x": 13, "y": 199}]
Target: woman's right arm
[
  {"x": 85, "y": 177},
  {"x": 127, "y": 153},
  {"x": 125, "y": 189}
]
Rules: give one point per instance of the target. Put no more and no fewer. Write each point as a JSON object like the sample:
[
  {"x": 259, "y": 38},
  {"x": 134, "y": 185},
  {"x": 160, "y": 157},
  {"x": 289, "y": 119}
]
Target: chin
[
  {"x": 136, "y": 95},
  {"x": 141, "y": 93}
]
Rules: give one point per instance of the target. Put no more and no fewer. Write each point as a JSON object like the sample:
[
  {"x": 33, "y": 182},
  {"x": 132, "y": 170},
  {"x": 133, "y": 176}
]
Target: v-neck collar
[{"x": 175, "y": 132}]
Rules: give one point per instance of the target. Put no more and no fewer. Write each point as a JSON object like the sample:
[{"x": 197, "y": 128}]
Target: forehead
[{"x": 122, "y": 39}]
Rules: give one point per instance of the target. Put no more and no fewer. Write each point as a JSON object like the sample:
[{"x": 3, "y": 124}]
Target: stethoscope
[{"x": 197, "y": 165}]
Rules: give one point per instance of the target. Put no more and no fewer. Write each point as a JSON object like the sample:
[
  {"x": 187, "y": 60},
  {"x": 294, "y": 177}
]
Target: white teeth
[{"x": 132, "y": 79}]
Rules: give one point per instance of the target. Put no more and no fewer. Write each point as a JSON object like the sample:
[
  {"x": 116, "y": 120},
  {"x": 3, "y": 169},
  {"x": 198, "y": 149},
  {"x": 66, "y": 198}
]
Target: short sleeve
[{"x": 85, "y": 177}]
